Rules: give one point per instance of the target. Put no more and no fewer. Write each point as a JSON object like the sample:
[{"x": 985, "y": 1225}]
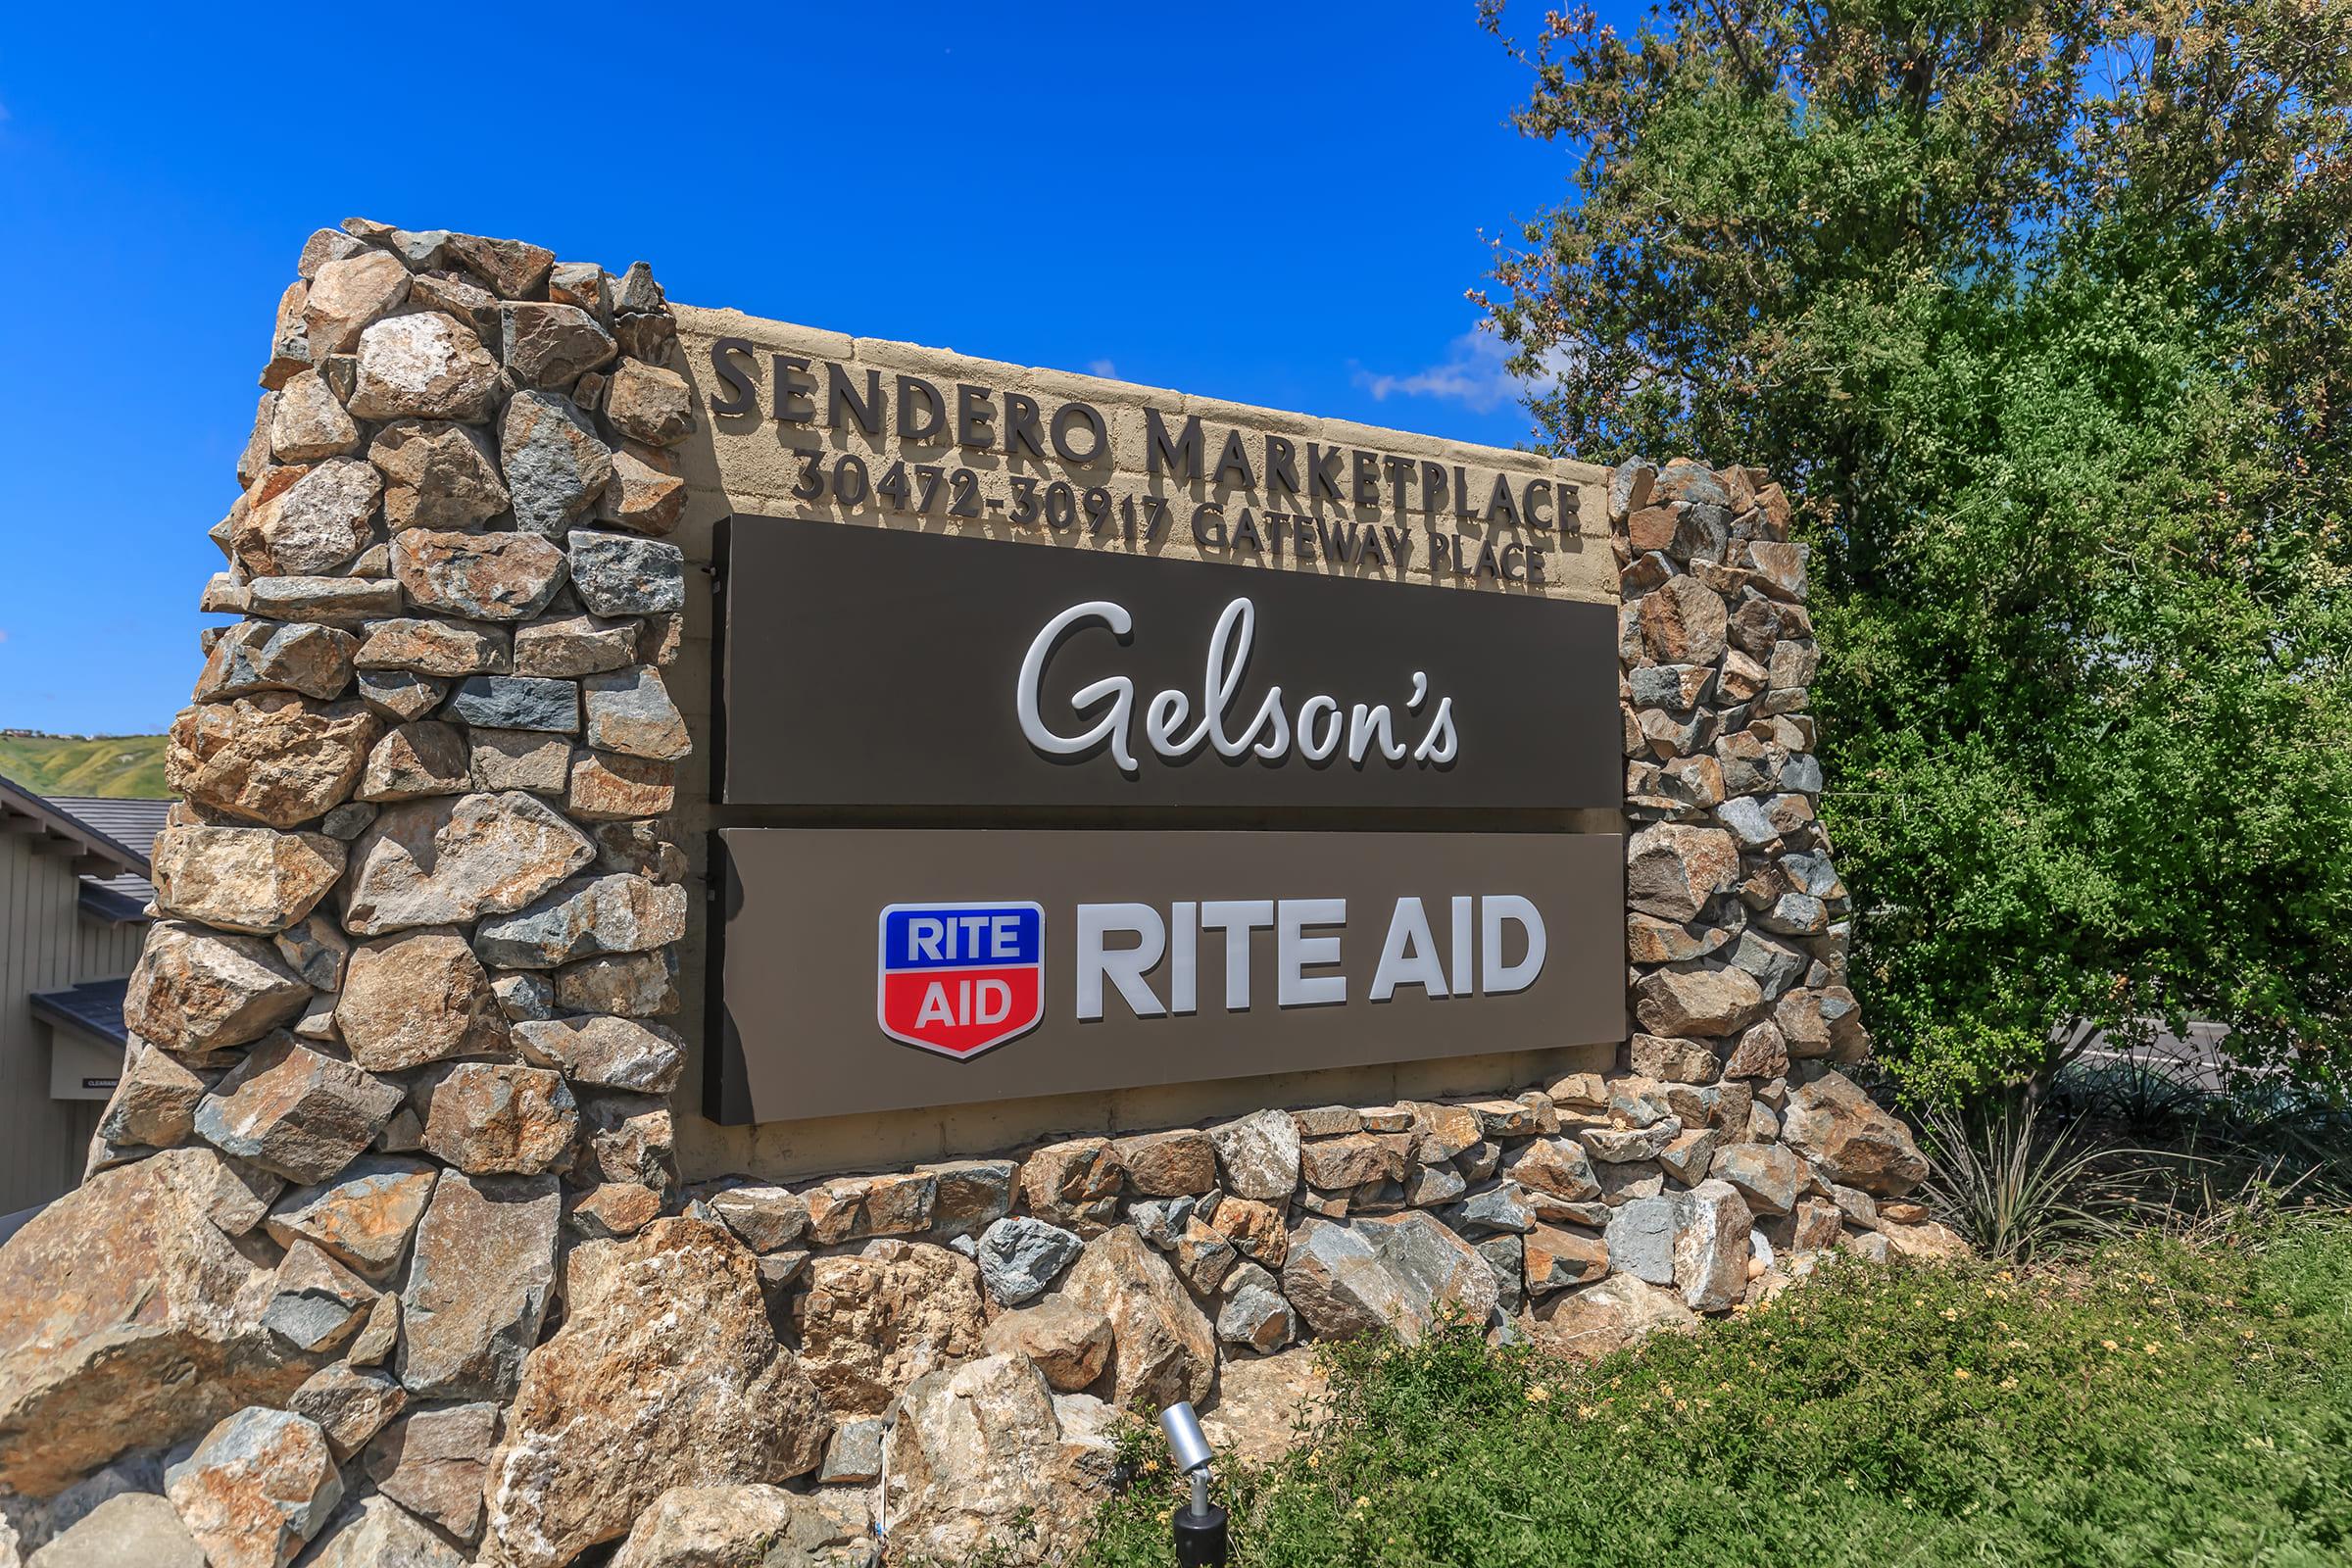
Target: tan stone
[
  {"x": 414, "y": 761},
  {"x": 512, "y": 267},
  {"x": 1711, "y": 1247},
  {"x": 323, "y": 598},
  {"x": 608, "y": 786},
  {"x": 1397, "y": 1275},
  {"x": 872, "y": 1324},
  {"x": 630, "y": 985},
  {"x": 574, "y": 645},
  {"x": 647, "y": 404},
  {"x": 1168, "y": 1164},
  {"x": 437, "y": 474},
  {"x": 1780, "y": 568},
  {"x": 719, "y": 1527},
  {"x": 1672, "y": 869},
  {"x": 1556, "y": 1166},
  {"x": 1555, "y": 1259},
  {"x": 363, "y": 1218},
  {"x": 289, "y": 344},
  {"x": 611, "y": 1052},
  {"x": 416, "y": 998},
  {"x": 1164, "y": 1349},
  {"x": 154, "y": 1102},
  {"x": 478, "y": 1285},
  {"x": 258, "y": 656},
  {"x": 480, "y": 576},
  {"x": 612, "y": 1209},
  {"x": 350, "y": 1404},
  {"x": 276, "y": 758},
  {"x": 521, "y": 759},
  {"x": 641, "y": 497},
  {"x": 1762, "y": 1052},
  {"x": 1069, "y": 1343},
  {"x": 629, "y": 710},
  {"x": 1836, "y": 1126},
  {"x": 256, "y": 1489},
  {"x": 308, "y": 423},
  {"x": 195, "y": 990},
  {"x": 1766, "y": 1175},
  {"x": 446, "y": 861},
  {"x": 129, "y": 1319},
  {"x": 498, "y": 1119},
  {"x": 304, "y": 521},
  {"x": 1256, "y": 1230},
  {"x": 1599, "y": 1319},
  {"x": 1697, "y": 1002},
  {"x": 252, "y": 880},
  {"x": 986, "y": 1458},
  {"x": 441, "y": 648},
  {"x": 1076, "y": 1184},
  {"x": 854, "y": 1208},
  {"x": 434, "y": 1461},
  {"x": 627, "y": 1137},
  {"x": 551, "y": 345},
  {"x": 1683, "y": 621},
  {"x": 424, "y": 366},
  {"x": 1353, "y": 1160},
  {"x": 294, "y": 1111},
  {"x": 1681, "y": 1061},
  {"x": 346, "y": 297},
  {"x": 664, "y": 1373},
  {"x": 1267, "y": 1406}
]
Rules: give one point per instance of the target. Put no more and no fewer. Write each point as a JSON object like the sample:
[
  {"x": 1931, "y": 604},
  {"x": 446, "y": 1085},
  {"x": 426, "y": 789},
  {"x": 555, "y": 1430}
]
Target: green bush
[{"x": 2153, "y": 1403}]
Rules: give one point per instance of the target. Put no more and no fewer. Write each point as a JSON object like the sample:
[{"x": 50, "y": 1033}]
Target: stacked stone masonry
[{"x": 383, "y": 1258}]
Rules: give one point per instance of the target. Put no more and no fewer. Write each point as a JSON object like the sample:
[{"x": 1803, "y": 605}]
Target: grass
[
  {"x": 116, "y": 767},
  {"x": 2153, "y": 1400}
]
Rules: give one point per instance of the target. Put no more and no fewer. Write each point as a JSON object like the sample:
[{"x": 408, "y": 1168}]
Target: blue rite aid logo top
[{"x": 959, "y": 978}]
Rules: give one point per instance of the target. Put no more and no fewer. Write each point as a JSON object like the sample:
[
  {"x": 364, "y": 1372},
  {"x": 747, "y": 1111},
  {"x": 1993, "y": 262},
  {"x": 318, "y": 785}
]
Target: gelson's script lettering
[{"x": 1319, "y": 730}]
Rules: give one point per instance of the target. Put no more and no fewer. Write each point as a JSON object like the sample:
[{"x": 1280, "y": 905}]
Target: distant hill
[{"x": 117, "y": 767}]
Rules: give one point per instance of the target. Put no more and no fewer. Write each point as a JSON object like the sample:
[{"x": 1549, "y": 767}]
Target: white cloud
[
  {"x": 1475, "y": 373},
  {"x": 1102, "y": 368}
]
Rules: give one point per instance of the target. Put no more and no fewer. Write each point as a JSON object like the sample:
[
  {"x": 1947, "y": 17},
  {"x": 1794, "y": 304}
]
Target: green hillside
[{"x": 118, "y": 767}]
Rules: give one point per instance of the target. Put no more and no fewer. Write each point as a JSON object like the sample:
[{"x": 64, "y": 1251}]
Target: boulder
[
  {"x": 1070, "y": 1344},
  {"x": 1164, "y": 1350},
  {"x": 129, "y": 1318},
  {"x": 603, "y": 1052},
  {"x": 1673, "y": 869},
  {"x": 256, "y": 1489},
  {"x": 437, "y": 474},
  {"x": 664, "y": 1373},
  {"x": 495, "y": 1118},
  {"x": 556, "y": 467},
  {"x": 434, "y": 1461},
  {"x": 265, "y": 656},
  {"x": 479, "y": 576},
  {"x": 1257, "y": 1231},
  {"x": 627, "y": 985},
  {"x": 1075, "y": 1184},
  {"x": 1641, "y": 1239},
  {"x": 430, "y": 647},
  {"x": 616, "y": 913},
  {"x": 314, "y": 1302},
  {"x": 647, "y": 404},
  {"x": 1766, "y": 1175},
  {"x": 1267, "y": 1406},
  {"x": 276, "y": 759},
  {"x": 986, "y": 1458},
  {"x": 1683, "y": 621},
  {"x": 1258, "y": 1316},
  {"x": 345, "y": 296},
  {"x": 1019, "y": 1258},
  {"x": 378, "y": 1532},
  {"x": 447, "y": 861},
  {"x": 154, "y": 1102},
  {"x": 295, "y": 1112},
  {"x": 1599, "y": 1319},
  {"x": 195, "y": 990},
  {"x": 1840, "y": 1129},
  {"x": 1391, "y": 1275},
  {"x": 1354, "y": 1159},
  {"x": 129, "y": 1530},
  {"x": 1259, "y": 1155},
  {"x": 1697, "y": 1002},
  {"x": 644, "y": 495},
  {"x": 514, "y": 268},
  {"x": 478, "y": 1285},
  {"x": 1681, "y": 1061},
  {"x": 1762, "y": 1052},
  {"x": 1552, "y": 1258},
  {"x": 1710, "y": 1245},
  {"x": 424, "y": 366},
  {"x": 972, "y": 1195},
  {"x": 417, "y": 759},
  {"x": 765, "y": 1219},
  {"x": 1930, "y": 1238},
  {"x": 741, "y": 1526},
  {"x": 254, "y": 880},
  {"x": 872, "y": 1324},
  {"x": 418, "y": 997},
  {"x": 551, "y": 345},
  {"x": 1556, "y": 1166},
  {"x": 350, "y": 1403},
  {"x": 574, "y": 645}
]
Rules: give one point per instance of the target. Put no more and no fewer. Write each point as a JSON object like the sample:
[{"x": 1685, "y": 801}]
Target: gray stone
[
  {"x": 1711, "y": 1247},
  {"x": 447, "y": 861},
  {"x": 524, "y": 996},
  {"x": 629, "y": 711},
  {"x": 623, "y": 574},
  {"x": 1500, "y": 1207},
  {"x": 556, "y": 467},
  {"x": 855, "y": 1455},
  {"x": 434, "y": 647},
  {"x": 765, "y": 1219},
  {"x": 1624, "y": 1145},
  {"x": 1258, "y": 1155},
  {"x": 1258, "y": 1316},
  {"x": 433, "y": 1461},
  {"x": 258, "y": 656},
  {"x": 1428, "y": 1185},
  {"x": 378, "y": 1532},
  {"x": 350, "y": 1403},
  {"x": 1641, "y": 1238},
  {"x": 295, "y": 1112},
  {"x": 315, "y": 1302},
  {"x": 517, "y": 702},
  {"x": 1766, "y": 1175},
  {"x": 1506, "y": 1256},
  {"x": 129, "y": 1530},
  {"x": 616, "y": 913},
  {"x": 438, "y": 475},
  {"x": 552, "y": 345},
  {"x": 1392, "y": 1274},
  {"x": 1020, "y": 1258},
  {"x": 607, "y": 1052},
  {"x": 400, "y": 695},
  {"x": 478, "y": 1284},
  {"x": 1160, "y": 1220},
  {"x": 987, "y": 1452},
  {"x": 339, "y": 600}
]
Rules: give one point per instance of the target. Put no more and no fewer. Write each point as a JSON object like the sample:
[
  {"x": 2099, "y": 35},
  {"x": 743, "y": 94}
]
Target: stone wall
[{"x": 383, "y": 1256}]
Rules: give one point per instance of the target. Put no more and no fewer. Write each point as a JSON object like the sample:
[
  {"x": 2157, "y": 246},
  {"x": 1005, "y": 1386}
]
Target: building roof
[
  {"x": 133, "y": 824},
  {"x": 114, "y": 873},
  {"x": 94, "y": 1006}
]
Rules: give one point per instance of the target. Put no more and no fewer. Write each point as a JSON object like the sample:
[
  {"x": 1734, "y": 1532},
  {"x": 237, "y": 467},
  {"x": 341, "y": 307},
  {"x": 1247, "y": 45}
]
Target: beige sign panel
[{"x": 866, "y": 969}]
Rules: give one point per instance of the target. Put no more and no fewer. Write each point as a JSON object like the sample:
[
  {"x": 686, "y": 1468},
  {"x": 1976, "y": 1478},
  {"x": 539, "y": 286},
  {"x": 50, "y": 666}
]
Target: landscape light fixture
[{"x": 1199, "y": 1524}]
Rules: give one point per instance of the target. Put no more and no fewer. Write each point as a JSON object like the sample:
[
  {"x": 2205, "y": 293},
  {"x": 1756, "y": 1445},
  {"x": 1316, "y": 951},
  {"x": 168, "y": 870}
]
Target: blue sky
[{"x": 1278, "y": 204}]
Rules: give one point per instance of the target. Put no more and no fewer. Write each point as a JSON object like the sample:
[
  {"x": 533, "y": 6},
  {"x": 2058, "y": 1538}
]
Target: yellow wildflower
[
  {"x": 1538, "y": 1394},
  {"x": 1960, "y": 1374},
  {"x": 2111, "y": 1344}
]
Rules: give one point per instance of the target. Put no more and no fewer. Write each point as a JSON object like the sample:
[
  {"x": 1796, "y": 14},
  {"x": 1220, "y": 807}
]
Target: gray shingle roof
[
  {"x": 133, "y": 824},
  {"x": 94, "y": 1006}
]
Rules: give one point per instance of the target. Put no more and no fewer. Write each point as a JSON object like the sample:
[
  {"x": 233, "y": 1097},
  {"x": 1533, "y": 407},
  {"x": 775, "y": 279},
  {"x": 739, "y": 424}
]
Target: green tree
[{"x": 2043, "y": 314}]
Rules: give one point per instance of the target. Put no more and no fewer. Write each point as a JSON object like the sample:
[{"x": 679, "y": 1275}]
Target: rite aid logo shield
[{"x": 958, "y": 978}]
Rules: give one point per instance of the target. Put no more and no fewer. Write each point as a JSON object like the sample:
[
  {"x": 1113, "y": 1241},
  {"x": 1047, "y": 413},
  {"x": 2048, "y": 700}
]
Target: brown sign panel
[
  {"x": 867, "y": 969},
  {"x": 875, "y": 667}
]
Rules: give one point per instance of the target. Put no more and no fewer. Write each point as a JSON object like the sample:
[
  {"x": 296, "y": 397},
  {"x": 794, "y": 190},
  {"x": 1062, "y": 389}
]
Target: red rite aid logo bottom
[{"x": 958, "y": 978}]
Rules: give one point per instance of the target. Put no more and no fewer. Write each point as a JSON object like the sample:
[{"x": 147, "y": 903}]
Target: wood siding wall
[{"x": 47, "y": 944}]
